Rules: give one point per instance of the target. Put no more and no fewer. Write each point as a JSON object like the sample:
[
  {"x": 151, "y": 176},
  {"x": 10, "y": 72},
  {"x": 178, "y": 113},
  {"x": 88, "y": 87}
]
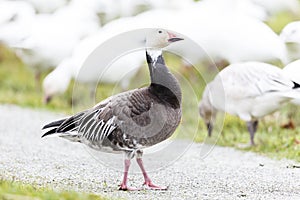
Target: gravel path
[{"x": 224, "y": 173}]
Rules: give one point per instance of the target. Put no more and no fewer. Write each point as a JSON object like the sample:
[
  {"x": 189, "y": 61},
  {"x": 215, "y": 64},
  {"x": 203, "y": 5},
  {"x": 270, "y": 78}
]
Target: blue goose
[{"x": 131, "y": 121}]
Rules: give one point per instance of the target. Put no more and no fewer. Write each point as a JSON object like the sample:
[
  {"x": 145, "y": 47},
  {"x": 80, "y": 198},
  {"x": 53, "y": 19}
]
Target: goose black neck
[{"x": 163, "y": 84}]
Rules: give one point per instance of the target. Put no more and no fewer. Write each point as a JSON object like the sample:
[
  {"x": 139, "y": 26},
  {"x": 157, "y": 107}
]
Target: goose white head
[
  {"x": 207, "y": 111},
  {"x": 160, "y": 38},
  {"x": 57, "y": 81}
]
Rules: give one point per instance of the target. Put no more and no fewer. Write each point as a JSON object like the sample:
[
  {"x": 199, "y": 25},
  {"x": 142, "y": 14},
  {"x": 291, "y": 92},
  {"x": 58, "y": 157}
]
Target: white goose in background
[
  {"x": 291, "y": 35},
  {"x": 241, "y": 7},
  {"x": 16, "y": 18},
  {"x": 249, "y": 90},
  {"x": 54, "y": 36},
  {"x": 293, "y": 71},
  {"x": 58, "y": 80},
  {"x": 241, "y": 35}
]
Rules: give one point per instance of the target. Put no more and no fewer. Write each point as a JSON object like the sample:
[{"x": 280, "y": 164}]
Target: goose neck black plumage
[
  {"x": 163, "y": 84},
  {"x": 165, "y": 95}
]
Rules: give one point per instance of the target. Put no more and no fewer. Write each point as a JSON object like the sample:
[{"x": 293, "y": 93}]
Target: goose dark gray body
[
  {"x": 128, "y": 121},
  {"x": 132, "y": 120}
]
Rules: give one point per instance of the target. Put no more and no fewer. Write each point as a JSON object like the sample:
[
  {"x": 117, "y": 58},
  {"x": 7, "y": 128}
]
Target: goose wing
[
  {"x": 117, "y": 119},
  {"x": 254, "y": 79}
]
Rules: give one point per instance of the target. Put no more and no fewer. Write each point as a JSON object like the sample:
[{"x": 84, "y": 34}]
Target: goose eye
[{"x": 159, "y": 31}]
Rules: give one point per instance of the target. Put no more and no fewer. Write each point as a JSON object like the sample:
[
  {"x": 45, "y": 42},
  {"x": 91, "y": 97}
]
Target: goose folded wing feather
[
  {"x": 255, "y": 79},
  {"x": 251, "y": 89},
  {"x": 123, "y": 111}
]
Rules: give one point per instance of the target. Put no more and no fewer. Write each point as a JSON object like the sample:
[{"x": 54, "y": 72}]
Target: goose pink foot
[
  {"x": 151, "y": 186},
  {"x": 148, "y": 183},
  {"x": 123, "y": 185}
]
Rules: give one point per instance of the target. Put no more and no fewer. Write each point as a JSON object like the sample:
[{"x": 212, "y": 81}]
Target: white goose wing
[
  {"x": 252, "y": 79},
  {"x": 251, "y": 89}
]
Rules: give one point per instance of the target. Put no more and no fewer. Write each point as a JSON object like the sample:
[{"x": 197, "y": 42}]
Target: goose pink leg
[
  {"x": 148, "y": 181},
  {"x": 124, "y": 186}
]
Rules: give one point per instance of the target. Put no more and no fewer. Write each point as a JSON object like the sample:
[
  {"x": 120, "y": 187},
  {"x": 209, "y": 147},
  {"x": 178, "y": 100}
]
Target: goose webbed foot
[
  {"x": 151, "y": 186},
  {"x": 148, "y": 183}
]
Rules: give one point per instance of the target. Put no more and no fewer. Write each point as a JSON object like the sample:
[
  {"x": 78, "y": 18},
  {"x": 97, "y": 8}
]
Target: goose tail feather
[{"x": 53, "y": 125}]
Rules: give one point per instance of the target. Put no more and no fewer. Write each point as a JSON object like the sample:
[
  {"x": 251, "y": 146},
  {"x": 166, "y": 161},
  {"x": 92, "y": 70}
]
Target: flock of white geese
[{"x": 61, "y": 34}]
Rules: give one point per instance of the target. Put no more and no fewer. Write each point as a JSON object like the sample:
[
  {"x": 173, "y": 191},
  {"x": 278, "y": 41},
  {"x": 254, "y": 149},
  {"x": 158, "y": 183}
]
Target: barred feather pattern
[{"x": 89, "y": 127}]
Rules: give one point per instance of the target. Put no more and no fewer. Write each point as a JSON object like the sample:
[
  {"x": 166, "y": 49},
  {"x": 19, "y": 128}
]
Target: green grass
[
  {"x": 17, "y": 191},
  {"x": 277, "y": 22}
]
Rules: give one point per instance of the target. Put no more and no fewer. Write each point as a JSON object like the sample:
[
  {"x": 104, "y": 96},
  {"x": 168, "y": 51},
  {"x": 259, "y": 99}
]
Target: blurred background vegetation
[{"x": 276, "y": 136}]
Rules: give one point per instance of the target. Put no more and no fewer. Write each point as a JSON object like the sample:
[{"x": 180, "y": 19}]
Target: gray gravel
[{"x": 223, "y": 173}]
